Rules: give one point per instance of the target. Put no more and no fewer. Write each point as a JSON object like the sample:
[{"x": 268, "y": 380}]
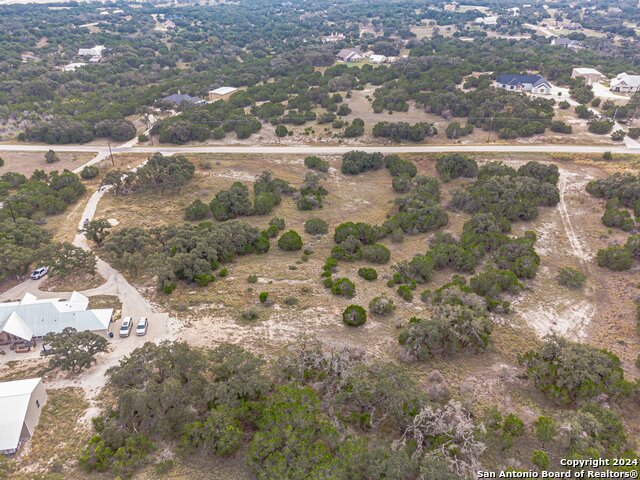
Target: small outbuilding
[
  {"x": 21, "y": 403},
  {"x": 591, "y": 75},
  {"x": 222, "y": 93}
]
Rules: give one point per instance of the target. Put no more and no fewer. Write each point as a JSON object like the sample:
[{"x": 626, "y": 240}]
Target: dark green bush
[
  {"x": 290, "y": 241},
  {"x": 354, "y": 315},
  {"x": 368, "y": 273}
]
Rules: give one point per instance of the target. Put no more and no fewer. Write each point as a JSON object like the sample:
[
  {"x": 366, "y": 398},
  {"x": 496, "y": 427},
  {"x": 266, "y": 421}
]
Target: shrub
[
  {"x": 600, "y": 127},
  {"x": 51, "y": 157},
  {"x": 569, "y": 372},
  {"x": 263, "y": 297},
  {"x": 252, "y": 279},
  {"x": 368, "y": 273},
  {"x": 564, "y": 105},
  {"x": 343, "y": 287},
  {"x": 571, "y": 278},
  {"x": 560, "y": 127},
  {"x": 632, "y": 133},
  {"x": 618, "y": 135},
  {"x": 224, "y": 272},
  {"x": 89, "y": 172},
  {"x": 316, "y": 163},
  {"x": 451, "y": 328},
  {"x": 281, "y": 131},
  {"x": 541, "y": 459},
  {"x": 633, "y": 245},
  {"x": 356, "y": 162},
  {"x": 616, "y": 258},
  {"x": 401, "y": 183},
  {"x": 277, "y": 223},
  {"x": 354, "y": 315},
  {"x": 398, "y": 166},
  {"x": 290, "y": 241},
  {"x": 607, "y": 156},
  {"x": 381, "y": 306},
  {"x": 316, "y": 226},
  {"x": 198, "y": 210},
  {"x": 290, "y": 301},
  {"x": 250, "y": 315},
  {"x": 455, "y": 130},
  {"x": 454, "y": 165},
  {"x": 376, "y": 253},
  {"x": 614, "y": 218},
  {"x": 405, "y": 292}
]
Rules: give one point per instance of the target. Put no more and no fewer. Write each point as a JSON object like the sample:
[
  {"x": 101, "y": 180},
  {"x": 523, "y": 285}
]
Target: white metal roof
[
  {"x": 223, "y": 90},
  {"x": 42, "y": 316},
  {"x": 16, "y": 326},
  {"x": 630, "y": 80},
  {"x": 587, "y": 71},
  {"x": 14, "y": 401}
]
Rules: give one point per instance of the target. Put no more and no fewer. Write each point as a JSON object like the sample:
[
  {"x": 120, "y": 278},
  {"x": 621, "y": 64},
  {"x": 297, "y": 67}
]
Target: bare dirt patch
[{"x": 27, "y": 162}]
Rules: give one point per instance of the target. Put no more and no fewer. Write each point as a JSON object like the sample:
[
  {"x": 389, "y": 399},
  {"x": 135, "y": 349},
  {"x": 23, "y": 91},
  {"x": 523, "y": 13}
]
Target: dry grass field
[
  {"x": 27, "y": 162},
  {"x": 568, "y": 235}
]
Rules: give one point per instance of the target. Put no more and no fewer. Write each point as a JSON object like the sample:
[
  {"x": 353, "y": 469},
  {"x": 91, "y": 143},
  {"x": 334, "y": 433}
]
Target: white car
[
  {"x": 125, "y": 328},
  {"x": 38, "y": 273},
  {"x": 141, "y": 328}
]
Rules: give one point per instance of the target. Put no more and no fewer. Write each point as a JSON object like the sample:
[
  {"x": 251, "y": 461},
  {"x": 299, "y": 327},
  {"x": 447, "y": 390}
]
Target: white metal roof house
[
  {"x": 591, "y": 75},
  {"x": 91, "y": 52},
  {"x": 377, "y": 59},
  {"x": 222, "y": 93},
  {"x": 626, "y": 83},
  {"x": 524, "y": 83},
  {"x": 31, "y": 317},
  {"x": 21, "y": 402}
]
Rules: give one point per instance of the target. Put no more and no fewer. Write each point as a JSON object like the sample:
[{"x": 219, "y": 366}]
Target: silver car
[
  {"x": 125, "y": 328},
  {"x": 141, "y": 328}
]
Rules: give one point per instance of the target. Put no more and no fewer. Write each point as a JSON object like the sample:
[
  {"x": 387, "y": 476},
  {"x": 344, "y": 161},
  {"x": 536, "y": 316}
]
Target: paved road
[{"x": 328, "y": 150}]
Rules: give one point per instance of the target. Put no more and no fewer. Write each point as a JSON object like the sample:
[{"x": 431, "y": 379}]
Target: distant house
[
  {"x": 21, "y": 402},
  {"x": 333, "y": 38},
  {"x": 32, "y": 317},
  {"x": 524, "y": 83},
  {"x": 625, "y": 83},
  {"x": 72, "y": 67},
  {"x": 449, "y": 7},
  {"x": 487, "y": 20},
  {"x": 378, "y": 59},
  {"x": 591, "y": 75},
  {"x": 180, "y": 98},
  {"x": 91, "y": 52},
  {"x": 222, "y": 93},
  {"x": 350, "y": 55},
  {"x": 566, "y": 43}
]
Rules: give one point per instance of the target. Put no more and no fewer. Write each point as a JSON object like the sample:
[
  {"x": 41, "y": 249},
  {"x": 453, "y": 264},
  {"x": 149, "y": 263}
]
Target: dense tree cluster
[
  {"x": 570, "y": 372},
  {"x": 159, "y": 174},
  {"x": 404, "y": 131},
  {"x": 189, "y": 252},
  {"x": 41, "y": 195}
]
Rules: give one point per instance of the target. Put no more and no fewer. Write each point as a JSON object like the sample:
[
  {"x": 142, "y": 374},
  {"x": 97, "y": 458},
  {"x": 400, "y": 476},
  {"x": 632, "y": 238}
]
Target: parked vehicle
[
  {"x": 45, "y": 352},
  {"x": 141, "y": 328},
  {"x": 23, "y": 348},
  {"x": 38, "y": 273},
  {"x": 125, "y": 328}
]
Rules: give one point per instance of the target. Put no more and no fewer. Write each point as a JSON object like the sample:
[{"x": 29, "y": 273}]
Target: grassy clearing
[
  {"x": 27, "y": 162},
  {"x": 74, "y": 282}
]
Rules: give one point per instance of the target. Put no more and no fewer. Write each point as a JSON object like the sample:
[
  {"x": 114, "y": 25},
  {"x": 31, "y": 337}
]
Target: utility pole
[
  {"x": 490, "y": 127},
  {"x": 111, "y": 153}
]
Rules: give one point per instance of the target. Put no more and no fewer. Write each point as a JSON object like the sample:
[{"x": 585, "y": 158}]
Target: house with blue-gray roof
[
  {"x": 523, "y": 83},
  {"x": 31, "y": 317}
]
